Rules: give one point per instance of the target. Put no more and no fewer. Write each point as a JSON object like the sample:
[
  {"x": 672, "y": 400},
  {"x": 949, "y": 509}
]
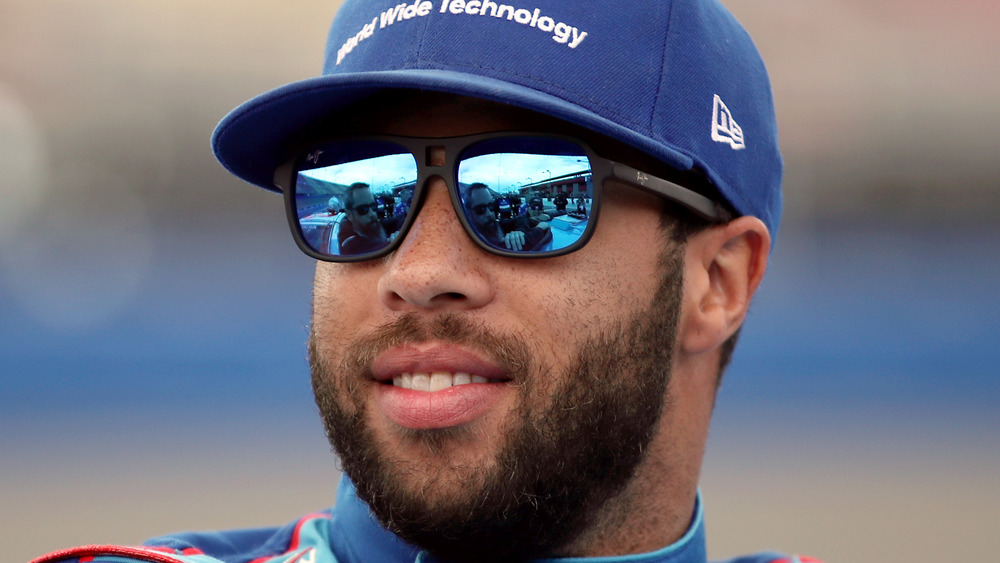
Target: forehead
[
  {"x": 362, "y": 194},
  {"x": 480, "y": 194}
]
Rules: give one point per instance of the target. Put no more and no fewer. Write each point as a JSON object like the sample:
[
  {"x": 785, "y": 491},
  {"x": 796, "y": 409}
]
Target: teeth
[
  {"x": 435, "y": 381},
  {"x": 421, "y": 382},
  {"x": 440, "y": 381}
]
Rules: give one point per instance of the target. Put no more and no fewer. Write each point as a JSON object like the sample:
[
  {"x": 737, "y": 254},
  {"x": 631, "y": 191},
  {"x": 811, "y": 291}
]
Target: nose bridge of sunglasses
[{"x": 435, "y": 155}]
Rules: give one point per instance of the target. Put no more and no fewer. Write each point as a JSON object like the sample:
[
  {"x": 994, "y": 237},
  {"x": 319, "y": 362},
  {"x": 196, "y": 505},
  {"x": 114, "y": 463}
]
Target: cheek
[
  {"x": 573, "y": 299},
  {"x": 620, "y": 271},
  {"x": 601, "y": 296},
  {"x": 327, "y": 288},
  {"x": 343, "y": 295}
]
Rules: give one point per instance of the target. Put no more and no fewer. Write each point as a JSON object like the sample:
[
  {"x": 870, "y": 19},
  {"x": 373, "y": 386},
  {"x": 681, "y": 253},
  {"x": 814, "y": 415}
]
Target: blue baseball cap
[{"x": 680, "y": 80}]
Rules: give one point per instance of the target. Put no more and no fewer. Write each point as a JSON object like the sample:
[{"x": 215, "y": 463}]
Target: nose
[{"x": 437, "y": 268}]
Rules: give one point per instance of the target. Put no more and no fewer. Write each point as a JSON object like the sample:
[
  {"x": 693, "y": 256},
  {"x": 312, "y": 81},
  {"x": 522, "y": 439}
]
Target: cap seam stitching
[{"x": 655, "y": 107}]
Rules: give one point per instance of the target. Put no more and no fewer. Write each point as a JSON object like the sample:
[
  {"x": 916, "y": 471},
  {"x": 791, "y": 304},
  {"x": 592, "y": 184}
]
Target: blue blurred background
[{"x": 153, "y": 310}]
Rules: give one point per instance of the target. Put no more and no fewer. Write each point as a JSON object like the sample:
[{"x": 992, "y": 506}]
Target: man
[
  {"x": 515, "y": 233},
  {"x": 362, "y": 214},
  {"x": 561, "y": 202},
  {"x": 536, "y": 210},
  {"x": 468, "y": 430}
]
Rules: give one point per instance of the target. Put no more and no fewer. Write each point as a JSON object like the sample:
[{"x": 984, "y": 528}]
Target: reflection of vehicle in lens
[
  {"x": 566, "y": 230},
  {"x": 322, "y": 231}
]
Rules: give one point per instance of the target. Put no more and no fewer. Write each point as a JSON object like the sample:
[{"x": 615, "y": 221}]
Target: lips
[
  {"x": 441, "y": 358},
  {"x": 437, "y": 386}
]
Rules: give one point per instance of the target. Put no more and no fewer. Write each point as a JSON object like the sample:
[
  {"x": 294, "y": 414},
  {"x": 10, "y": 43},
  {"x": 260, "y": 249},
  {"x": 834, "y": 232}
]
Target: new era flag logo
[{"x": 724, "y": 127}]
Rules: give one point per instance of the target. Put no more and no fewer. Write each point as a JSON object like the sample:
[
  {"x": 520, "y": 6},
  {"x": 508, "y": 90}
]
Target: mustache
[{"x": 507, "y": 350}]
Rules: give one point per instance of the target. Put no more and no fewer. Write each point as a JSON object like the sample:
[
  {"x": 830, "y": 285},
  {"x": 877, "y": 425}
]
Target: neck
[
  {"x": 655, "y": 508},
  {"x": 654, "y": 511}
]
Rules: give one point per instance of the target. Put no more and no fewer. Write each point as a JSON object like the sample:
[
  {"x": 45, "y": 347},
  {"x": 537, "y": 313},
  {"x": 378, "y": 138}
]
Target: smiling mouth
[{"x": 435, "y": 381}]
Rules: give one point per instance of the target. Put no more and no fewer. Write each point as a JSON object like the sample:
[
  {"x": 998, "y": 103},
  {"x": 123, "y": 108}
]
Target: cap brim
[{"x": 256, "y": 138}]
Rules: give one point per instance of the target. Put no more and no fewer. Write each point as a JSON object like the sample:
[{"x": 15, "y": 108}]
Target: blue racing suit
[{"x": 348, "y": 533}]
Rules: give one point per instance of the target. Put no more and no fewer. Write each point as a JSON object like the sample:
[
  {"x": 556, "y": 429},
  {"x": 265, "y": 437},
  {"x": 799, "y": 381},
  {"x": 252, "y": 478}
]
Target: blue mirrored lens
[
  {"x": 353, "y": 197},
  {"x": 499, "y": 178}
]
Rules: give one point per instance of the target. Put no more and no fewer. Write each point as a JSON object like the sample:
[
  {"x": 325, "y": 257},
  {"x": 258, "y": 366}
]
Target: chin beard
[
  {"x": 562, "y": 460},
  {"x": 371, "y": 230}
]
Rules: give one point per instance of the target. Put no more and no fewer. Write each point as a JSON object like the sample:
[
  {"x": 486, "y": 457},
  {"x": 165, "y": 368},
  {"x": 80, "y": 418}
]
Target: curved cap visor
[{"x": 259, "y": 136}]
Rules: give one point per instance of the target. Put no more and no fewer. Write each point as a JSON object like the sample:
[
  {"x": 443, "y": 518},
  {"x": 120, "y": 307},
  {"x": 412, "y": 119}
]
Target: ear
[{"x": 723, "y": 268}]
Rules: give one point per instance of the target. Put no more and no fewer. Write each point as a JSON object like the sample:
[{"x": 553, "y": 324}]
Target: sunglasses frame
[{"x": 602, "y": 170}]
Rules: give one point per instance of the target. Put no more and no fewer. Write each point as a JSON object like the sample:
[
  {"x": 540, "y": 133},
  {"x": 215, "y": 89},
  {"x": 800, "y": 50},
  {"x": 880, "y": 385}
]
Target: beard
[
  {"x": 490, "y": 228},
  {"x": 371, "y": 229},
  {"x": 561, "y": 459}
]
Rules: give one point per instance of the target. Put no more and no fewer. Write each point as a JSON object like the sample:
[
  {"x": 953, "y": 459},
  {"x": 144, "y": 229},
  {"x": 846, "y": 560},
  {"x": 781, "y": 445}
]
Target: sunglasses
[
  {"x": 363, "y": 209},
  {"x": 478, "y": 170},
  {"x": 482, "y": 208}
]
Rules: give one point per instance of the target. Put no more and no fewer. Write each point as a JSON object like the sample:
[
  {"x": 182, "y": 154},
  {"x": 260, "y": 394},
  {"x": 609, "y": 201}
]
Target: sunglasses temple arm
[{"x": 688, "y": 198}]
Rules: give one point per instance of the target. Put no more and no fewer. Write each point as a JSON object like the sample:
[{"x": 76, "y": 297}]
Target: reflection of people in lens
[
  {"x": 361, "y": 212},
  {"x": 405, "y": 198},
  {"x": 504, "y": 208},
  {"x": 517, "y": 233},
  {"x": 560, "y": 202},
  {"x": 536, "y": 210}
]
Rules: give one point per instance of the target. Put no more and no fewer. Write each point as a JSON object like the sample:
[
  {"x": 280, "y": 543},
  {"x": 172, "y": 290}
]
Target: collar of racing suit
[{"x": 359, "y": 538}]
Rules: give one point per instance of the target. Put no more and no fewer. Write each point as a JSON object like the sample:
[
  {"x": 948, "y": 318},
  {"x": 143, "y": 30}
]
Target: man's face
[
  {"x": 364, "y": 223},
  {"x": 526, "y": 391},
  {"x": 535, "y": 208},
  {"x": 480, "y": 204}
]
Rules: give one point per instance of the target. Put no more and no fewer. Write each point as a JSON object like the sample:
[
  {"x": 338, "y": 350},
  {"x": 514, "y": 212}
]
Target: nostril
[{"x": 454, "y": 296}]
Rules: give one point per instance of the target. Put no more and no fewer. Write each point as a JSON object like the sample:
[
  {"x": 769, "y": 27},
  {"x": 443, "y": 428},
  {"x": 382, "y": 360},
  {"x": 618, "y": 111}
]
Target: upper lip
[{"x": 435, "y": 358}]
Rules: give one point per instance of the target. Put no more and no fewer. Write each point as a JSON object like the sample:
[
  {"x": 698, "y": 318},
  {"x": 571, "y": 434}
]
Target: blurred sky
[{"x": 153, "y": 309}]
